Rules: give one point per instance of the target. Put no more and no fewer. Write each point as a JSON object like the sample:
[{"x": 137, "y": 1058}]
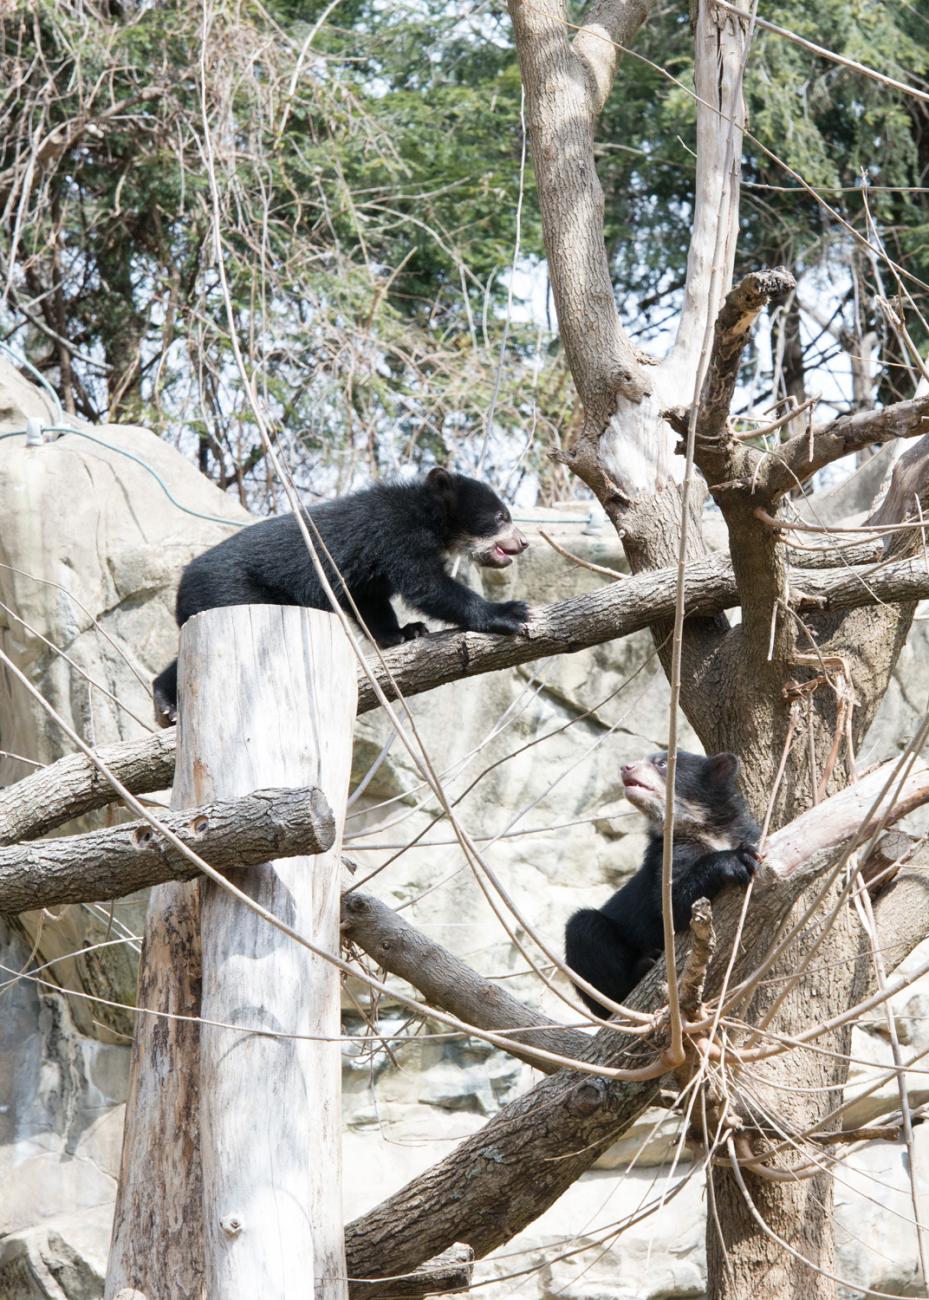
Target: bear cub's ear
[
  {"x": 724, "y": 767},
  {"x": 439, "y": 480}
]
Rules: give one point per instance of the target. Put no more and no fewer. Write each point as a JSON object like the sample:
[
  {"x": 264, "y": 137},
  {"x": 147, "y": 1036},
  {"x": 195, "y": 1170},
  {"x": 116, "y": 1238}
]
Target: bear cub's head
[{"x": 476, "y": 521}]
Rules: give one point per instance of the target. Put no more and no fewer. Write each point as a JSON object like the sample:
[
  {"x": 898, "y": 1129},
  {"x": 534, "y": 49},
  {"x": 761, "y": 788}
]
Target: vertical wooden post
[
  {"x": 268, "y": 698},
  {"x": 156, "y": 1248}
]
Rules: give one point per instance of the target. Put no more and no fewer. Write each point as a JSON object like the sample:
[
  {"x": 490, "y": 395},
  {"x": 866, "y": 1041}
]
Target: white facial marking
[
  {"x": 718, "y": 842},
  {"x": 690, "y": 818}
]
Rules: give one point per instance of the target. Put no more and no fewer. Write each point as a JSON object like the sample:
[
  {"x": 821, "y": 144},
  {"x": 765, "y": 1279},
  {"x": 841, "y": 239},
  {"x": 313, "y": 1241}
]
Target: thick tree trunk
[
  {"x": 789, "y": 690},
  {"x": 156, "y": 1220},
  {"x": 270, "y": 1107},
  {"x": 794, "y": 1253}
]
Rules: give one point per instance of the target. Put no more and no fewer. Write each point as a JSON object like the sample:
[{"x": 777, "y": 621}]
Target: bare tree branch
[
  {"x": 109, "y": 863},
  {"x": 720, "y": 51},
  {"x": 798, "y": 459},
  {"x": 909, "y": 485},
  {"x": 902, "y": 910},
  {"x": 565, "y": 88},
  {"x": 826, "y": 825},
  {"x": 72, "y": 786},
  {"x": 451, "y": 1271},
  {"x": 446, "y": 981},
  {"x": 699, "y": 955},
  {"x": 833, "y": 557},
  {"x": 498, "y": 1180},
  {"x": 620, "y": 608},
  {"x": 743, "y": 305}
]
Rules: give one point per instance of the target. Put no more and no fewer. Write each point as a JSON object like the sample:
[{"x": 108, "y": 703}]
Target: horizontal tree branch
[
  {"x": 447, "y": 982},
  {"x": 498, "y": 1180},
  {"x": 451, "y": 1271},
  {"x": 109, "y": 863},
  {"x": 72, "y": 786},
  {"x": 799, "y": 458},
  {"x": 618, "y": 609},
  {"x": 833, "y": 557},
  {"x": 826, "y": 825}
]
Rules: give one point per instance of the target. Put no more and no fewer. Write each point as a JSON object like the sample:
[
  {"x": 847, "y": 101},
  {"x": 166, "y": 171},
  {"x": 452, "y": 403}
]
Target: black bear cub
[
  {"x": 715, "y": 839},
  {"x": 386, "y": 540}
]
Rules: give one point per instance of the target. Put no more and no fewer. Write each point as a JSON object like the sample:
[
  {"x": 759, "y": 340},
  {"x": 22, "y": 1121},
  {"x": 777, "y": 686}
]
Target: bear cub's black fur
[
  {"x": 389, "y": 539},
  {"x": 715, "y": 838}
]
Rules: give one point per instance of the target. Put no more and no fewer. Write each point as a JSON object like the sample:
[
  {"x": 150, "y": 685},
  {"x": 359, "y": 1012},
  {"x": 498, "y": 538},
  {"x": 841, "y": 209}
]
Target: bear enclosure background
[{"x": 311, "y": 248}]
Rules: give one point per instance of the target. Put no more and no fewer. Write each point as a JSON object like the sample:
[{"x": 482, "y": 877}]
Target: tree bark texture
[
  {"x": 720, "y": 52},
  {"x": 229, "y": 1182},
  {"x": 110, "y": 863},
  {"x": 270, "y": 1108},
  {"x": 792, "y": 686},
  {"x": 565, "y": 89},
  {"x": 157, "y": 1220},
  {"x": 447, "y": 1273},
  {"x": 802, "y": 689},
  {"x": 72, "y": 786},
  {"x": 739, "y": 1252},
  {"x": 446, "y": 981}
]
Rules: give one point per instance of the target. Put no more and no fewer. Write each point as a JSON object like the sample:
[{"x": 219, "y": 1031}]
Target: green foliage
[
  {"x": 826, "y": 122},
  {"x": 366, "y": 179},
  {"x": 367, "y": 162}
]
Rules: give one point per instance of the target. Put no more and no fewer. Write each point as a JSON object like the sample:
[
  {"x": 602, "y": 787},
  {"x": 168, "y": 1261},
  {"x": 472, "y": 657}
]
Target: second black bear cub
[
  {"x": 715, "y": 838},
  {"x": 386, "y": 540}
]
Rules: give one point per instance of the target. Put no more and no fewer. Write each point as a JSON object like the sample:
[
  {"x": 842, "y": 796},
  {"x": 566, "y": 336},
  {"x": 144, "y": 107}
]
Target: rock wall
[{"x": 90, "y": 549}]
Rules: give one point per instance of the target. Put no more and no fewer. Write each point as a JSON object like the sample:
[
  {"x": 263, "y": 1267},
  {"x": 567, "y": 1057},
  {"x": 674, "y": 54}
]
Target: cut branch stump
[{"x": 116, "y": 861}]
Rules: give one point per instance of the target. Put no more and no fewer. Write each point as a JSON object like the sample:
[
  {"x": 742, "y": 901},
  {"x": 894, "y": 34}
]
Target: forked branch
[{"x": 501, "y": 1178}]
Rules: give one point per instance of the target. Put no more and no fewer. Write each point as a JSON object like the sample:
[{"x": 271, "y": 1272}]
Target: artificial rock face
[
  {"x": 89, "y": 552},
  {"x": 94, "y": 536},
  {"x": 89, "y": 549}
]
